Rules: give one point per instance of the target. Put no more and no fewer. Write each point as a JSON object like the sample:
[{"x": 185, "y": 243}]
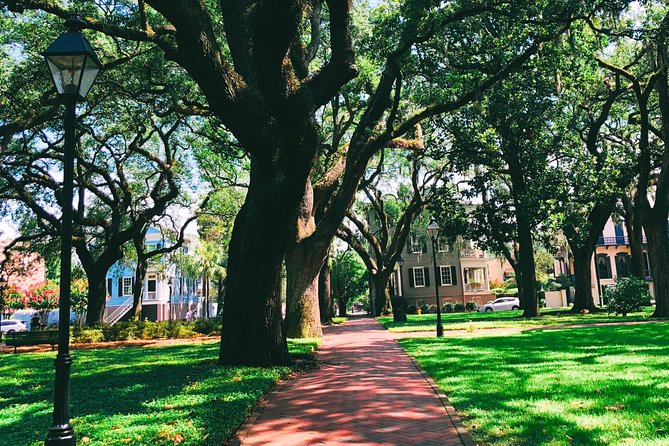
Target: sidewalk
[{"x": 366, "y": 392}]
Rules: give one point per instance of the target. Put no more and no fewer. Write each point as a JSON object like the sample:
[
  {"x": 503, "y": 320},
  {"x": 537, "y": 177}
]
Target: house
[
  {"x": 612, "y": 259},
  {"x": 463, "y": 273},
  {"x": 23, "y": 270},
  {"x": 168, "y": 293}
]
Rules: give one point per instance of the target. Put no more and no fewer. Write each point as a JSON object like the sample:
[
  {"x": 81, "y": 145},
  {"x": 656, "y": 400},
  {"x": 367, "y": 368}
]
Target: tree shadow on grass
[
  {"x": 556, "y": 387},
  {"x": 134, "y": 395}
]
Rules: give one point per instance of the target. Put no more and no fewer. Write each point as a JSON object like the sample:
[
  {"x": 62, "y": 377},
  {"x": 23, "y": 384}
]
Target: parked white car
[
  {"x": 12, "y": 325},
  {"x": 502, "y": 304}
]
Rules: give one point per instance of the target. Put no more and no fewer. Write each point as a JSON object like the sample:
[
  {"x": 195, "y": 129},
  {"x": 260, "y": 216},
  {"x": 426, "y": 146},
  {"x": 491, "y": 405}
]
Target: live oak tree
[
  {"x": 253, "y": 63},
  {"x": 379, "y": 227}
]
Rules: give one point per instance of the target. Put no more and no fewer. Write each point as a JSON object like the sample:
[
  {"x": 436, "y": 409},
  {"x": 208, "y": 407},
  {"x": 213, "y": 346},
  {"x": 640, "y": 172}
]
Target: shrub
[
  {"x": 510, "y": 283},
  {"x": 630, "y": 295},
  {"x": 432, "y": 309},
  {"x": 496, "y": 283},
  {"x": 458, "y": 308},
  {"x": 471, "y": 306},
  {"x": 207, "y": 326},
  {"x": 411, "y": 309},
  {"x": 87, "y": 335},
  {"x": 448, "y": 307},
  {"x": 424, "y": 308}
]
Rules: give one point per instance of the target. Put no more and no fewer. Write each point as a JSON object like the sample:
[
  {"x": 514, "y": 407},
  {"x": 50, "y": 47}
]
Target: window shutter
[
  {"x": 454, "y": 275},
  {"x": 427, "y": 276},
  {"x": 411, "y": 280},
  {"x": 120, "y": 286},
  {"x": 132, "y": 284},
  {"x": 109, "y": 287}
]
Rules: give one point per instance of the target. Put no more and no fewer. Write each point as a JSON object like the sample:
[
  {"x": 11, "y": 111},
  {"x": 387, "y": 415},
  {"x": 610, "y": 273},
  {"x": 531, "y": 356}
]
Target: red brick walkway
[{"x": 366, "y": 392}]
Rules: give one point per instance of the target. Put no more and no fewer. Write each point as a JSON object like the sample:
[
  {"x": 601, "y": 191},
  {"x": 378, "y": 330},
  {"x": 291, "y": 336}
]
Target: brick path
[{"x": 366, "y": 392}]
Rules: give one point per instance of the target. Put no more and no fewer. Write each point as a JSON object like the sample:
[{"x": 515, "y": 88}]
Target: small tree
[
  {"x": 79, "y": 298},
  {"x": 43, "y": 297},
  {"x": 630, "y": 295}
]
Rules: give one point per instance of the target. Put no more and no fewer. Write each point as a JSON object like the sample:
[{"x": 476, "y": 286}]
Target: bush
[
  {"x": 424, "y": 308},
  {"x": 411, "y": 309},
  {"x": 630, "y": 295},
  {"x": 87, "y": 335},
  {"x": 471, "y": 306},
  {"x": 510, "y": 283},
  {"x": 207, "y": 326},
  {"x": 458, "y": 308},
  {"x": 496, "y": 284},
  {"x": 448, "y": 307}
]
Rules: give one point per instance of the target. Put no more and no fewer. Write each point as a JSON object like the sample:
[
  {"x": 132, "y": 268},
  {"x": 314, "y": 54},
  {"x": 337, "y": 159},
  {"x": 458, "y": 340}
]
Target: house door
[{"x": 151, "y": 285}]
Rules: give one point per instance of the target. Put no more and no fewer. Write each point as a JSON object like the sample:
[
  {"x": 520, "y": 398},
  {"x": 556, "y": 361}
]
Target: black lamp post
[
  {"x": 74, "y": 66},
  {"x": 433, "y": 232},
  {"x": 169, "y": 284},
  {"x": 3, "y": 301}
]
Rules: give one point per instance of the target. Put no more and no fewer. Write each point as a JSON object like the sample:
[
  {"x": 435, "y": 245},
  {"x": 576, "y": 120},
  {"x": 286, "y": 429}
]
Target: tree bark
[
  {"x": 302, "y": 312},
  {"x": 528, "y": 281},
  {"x": 380, "y": 284},
  {"x": 252, "y": 332},
  {"x": 324, "y": 292},
  {"x": 635, "y": 237},
  {"x": 658, "y": 254},
  {"x": 304, "y": 259},
  {"x": 97, "y": 296},
  {"x": 140, "y": 274},
  {"x": 583, "y": 299}
]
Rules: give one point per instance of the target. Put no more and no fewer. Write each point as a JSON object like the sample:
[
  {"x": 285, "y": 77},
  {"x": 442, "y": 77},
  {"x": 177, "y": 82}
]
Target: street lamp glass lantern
[
  {"x": 433, "y": 229},
  {"x": 72, "y": 61}
]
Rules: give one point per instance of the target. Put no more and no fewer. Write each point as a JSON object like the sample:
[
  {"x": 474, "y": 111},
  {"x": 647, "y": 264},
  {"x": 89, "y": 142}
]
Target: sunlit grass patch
[
  {"x": 603, "y": 385},
  {"x": 504, "y": 319},
  {"x": 137, "y": 396}
]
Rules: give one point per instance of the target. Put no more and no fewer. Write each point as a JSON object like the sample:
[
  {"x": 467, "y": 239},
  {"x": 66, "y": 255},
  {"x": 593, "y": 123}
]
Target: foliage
[
  {"x": 448, "y": 307},
  {"x": 79, "y": 297},
  {"x": 43, "y": 296},
  {"x": 471, "y": 306},
  {"x": 138, "y": 396},
  {"x": 12, "y": 299},
  {"x": 458, "y": 307},
  {"x": 349, "y": 279},
  {"x": 630, "y": 295},
  {"x": 582, "y": 386}
]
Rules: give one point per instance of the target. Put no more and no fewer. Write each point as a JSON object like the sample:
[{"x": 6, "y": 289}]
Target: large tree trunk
[
  {"x": 252, "y": 332},
  {"x": 583, "y": 299},
  {"x": 304, "y": 259},
  {"x": 635, "y": 238},
  {"x": 97, "y": 296},
  {"x": 324, "y": 292},
  {"x": 140, "y": 274},
  {"x": 302, "y": 312},
  {"x": 528, "y": 282},
  {"x": 658, "y": 254},
  {"x": 380, "y": 284}
]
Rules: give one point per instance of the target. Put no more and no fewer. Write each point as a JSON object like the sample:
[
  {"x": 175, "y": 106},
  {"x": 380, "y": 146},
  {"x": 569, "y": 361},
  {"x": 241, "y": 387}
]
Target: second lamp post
[{"x": 433, "y": 232}]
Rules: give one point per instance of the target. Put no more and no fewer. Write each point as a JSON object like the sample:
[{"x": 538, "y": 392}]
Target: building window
[
  {"x": 445, "y": 273},
  {"x": 604, "y": 266},
  {"x": 414, "y": 245},
  {"x": 442, "y": 245},
  {"x": 622, "y": 265},
  {"x": 419, "y": 277},
  {"x": 127, "y": 286}
]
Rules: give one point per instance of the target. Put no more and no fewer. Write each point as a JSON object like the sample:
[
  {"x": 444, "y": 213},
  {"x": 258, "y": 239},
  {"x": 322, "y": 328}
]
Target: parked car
[
  {"x": 12, "y": 325},
  {"x": 502, "y": 304}
]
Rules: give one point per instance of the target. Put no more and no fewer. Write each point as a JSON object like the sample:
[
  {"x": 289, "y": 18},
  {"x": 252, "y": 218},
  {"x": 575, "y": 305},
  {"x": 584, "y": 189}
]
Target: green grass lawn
[
  {"x": 504, "y": 319},
  {"x": 606, "y": 385},
  {"x": 137, "y": 396}
]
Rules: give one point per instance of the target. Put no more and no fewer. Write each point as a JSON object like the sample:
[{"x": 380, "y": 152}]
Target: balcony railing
[
  {"x": 617, "y": 240},
  {"x": 472, "y": 254}
]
